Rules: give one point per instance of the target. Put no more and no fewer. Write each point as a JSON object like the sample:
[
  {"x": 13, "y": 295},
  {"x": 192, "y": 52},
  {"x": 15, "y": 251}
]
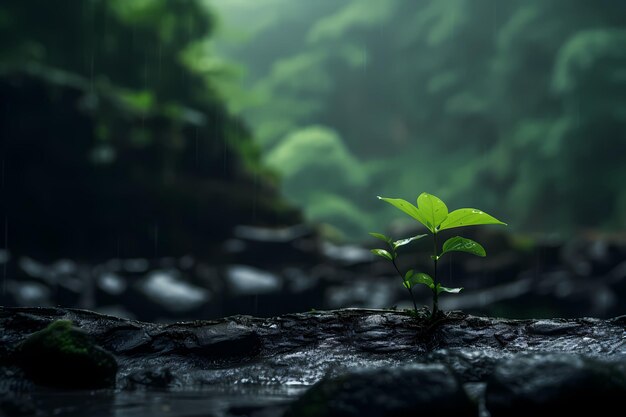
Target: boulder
[
  {"x": 418, "y": 389},
  {"x": 555, "y": 384},
  {"x": 65, "y": 357}
]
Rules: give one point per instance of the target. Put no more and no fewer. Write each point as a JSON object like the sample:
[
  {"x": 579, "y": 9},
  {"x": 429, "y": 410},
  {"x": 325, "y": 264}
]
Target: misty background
[
  {"x": 195, "y": 158},
  {"x": 516, "y": 107}
]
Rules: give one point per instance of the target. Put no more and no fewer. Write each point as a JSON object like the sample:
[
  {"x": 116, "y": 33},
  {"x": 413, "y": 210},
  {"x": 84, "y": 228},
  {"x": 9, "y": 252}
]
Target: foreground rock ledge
[{"x": 302, "y": 349}]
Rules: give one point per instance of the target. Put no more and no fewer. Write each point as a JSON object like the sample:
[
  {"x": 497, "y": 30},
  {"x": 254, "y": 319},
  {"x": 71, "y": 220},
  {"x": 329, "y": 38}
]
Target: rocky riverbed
[
  {"x": 269, "y": 272},
  {"x": 353, "y": 362}
]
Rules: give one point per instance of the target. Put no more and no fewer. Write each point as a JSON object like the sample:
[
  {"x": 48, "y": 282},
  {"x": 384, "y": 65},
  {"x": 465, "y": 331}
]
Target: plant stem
[
  {"x": 435, "y": 294},
  {"x": 409, "y": 289}
]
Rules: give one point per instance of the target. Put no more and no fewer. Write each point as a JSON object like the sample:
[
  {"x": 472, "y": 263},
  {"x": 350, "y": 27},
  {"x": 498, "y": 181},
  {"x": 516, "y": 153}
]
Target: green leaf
[
  {"x": 406, "y": 207},
  {"x": 468, "y": 217},
  {"x": 409, "y": 274},
  {"x": 419, "y": 278},
  {"x": 441, "y": 289},
  {"x": 382, "y": 253},
  {"x": 403, "y": 242},
  {"x": 461, "y": 244},
  {"x": 433, "y": 209},
  {"x": 381, "y": 237}
]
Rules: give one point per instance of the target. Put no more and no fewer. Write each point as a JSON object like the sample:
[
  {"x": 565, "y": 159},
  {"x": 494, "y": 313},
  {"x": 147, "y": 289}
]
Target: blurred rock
[
  {"x": 136, "y": 266},
  {"x": 30, "y": 293},
  {"x": 33, "y": 269},
  {"x": 5, "y": 256},
  {"x": 246, "y": 280},
  {"x": 298, "y": 280},
  {"x": 429, "y": 390},
  {"x": 346, "y": 255},
  {"x": 112, "y": 284},
  {"x": 556, "y": 384},
  {"x": 261, "y": 246},
  {"x": 169, "y": 291},
  {"x": 186, "y": 262},
  {"x": 285, "y": 235},
  {"x": 516, "y": 280},
  {"x": 379, "y": 293}
]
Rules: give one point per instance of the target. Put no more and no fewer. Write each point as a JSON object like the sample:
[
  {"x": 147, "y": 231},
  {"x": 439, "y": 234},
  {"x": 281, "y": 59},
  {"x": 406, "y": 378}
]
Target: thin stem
[
  {"x": 409, "y": 289},
  {"x": 435, "y": 282}
]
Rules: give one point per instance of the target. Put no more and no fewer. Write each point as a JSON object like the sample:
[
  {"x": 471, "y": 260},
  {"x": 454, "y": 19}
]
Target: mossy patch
[{"x": 62, "y": 355}]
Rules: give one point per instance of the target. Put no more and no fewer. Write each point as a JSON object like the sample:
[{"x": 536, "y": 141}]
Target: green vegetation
[
  {"x": 62, "y": 355},
  {"x": 433, "y": 213},
  {"x": 522, "y": 99}
]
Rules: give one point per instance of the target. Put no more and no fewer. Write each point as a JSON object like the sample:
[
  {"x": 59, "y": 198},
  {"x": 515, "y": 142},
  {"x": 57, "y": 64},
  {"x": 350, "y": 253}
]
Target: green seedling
[{"x": 433, "y": 213}]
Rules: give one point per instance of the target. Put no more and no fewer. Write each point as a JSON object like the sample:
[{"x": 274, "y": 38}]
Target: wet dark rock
[
  {"x": 296, "y": 351},
  {"x": 16, "y": 406},
  {"x": 221, "y": 342},
  {"x": 552, "y": 327},
  {"x": 430, "y": 390},
  {"x": 63, "y": 356},
  {"x": 157, "y": 378},
  {"x": 557, "y": 384}
]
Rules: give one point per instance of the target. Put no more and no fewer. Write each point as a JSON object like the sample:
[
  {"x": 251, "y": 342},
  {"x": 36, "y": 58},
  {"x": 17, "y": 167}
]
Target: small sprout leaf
[
  {"x": 419, "y": 278},
  {"x": 403, "y": 242},
  {"x": 433, "y": 213},
  {"x": 433, "y": 209},
  {"x": 461, "y": 244},
  {"x": 441, "y": 289},
  {"x": 381, "y": 237},
  {"x": 382, "y": 253},
  {"x": 408, "y": 208},
  {"x": 468, "y": 217}
]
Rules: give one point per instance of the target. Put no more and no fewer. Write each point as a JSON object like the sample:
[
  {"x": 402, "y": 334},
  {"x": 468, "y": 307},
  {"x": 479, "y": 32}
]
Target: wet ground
[
  {"x": 247, "y": 366},
  {"x": 216, "y": 401}
]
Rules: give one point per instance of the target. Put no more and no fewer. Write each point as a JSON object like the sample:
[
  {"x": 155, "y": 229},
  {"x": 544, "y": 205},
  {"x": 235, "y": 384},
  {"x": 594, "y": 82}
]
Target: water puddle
[{"x": 213, "y": 401}]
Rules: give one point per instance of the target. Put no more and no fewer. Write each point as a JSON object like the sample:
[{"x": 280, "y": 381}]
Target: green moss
[{"x": 63, "y": 356}]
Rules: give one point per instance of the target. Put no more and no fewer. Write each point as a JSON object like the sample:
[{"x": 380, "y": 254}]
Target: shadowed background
[{"x": 190, "y": 159}]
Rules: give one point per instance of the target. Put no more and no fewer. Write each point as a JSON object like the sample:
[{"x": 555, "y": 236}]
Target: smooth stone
[
  {"x": 419, "y": 389},
  {"x": 555, "y": 384}
]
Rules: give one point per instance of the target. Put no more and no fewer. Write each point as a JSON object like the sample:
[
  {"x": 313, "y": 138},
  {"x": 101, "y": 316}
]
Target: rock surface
[
  {"x": 430, "y": 389},
  {"x": 291, "y": 353},
  {"x": 65, "y": 357},
  {"x": 555, "y": 384}
]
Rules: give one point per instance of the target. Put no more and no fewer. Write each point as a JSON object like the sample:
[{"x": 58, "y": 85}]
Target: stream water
[{"x": 220, "y": 401}]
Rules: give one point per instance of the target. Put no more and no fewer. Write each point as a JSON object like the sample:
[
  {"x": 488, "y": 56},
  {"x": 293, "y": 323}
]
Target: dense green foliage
[
  {"x": 517, "y": 105},
  {"x": 433, "y": 213}
]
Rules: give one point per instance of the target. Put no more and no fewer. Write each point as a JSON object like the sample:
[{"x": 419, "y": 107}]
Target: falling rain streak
[{"x": 6, "y": 254}]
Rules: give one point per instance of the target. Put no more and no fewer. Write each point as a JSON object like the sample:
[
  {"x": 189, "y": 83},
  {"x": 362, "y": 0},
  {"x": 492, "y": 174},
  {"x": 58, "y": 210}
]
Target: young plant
[{"x": 433, "y": 213}]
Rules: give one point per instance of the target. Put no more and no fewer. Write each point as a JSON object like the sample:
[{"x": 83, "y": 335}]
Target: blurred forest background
[
  {"x": 164, "y": 149},
  {"x": 517, "y": 107}
]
